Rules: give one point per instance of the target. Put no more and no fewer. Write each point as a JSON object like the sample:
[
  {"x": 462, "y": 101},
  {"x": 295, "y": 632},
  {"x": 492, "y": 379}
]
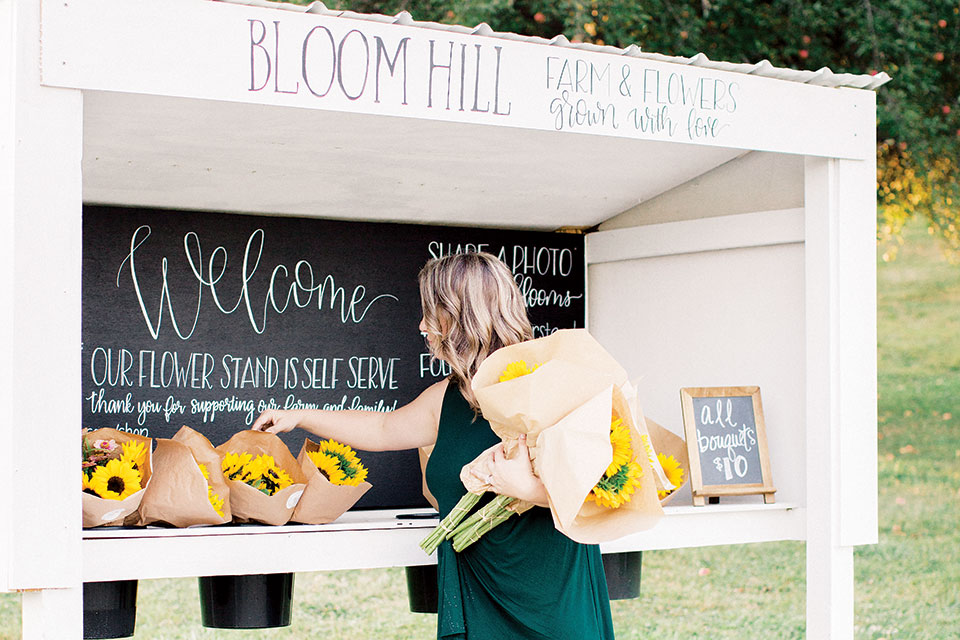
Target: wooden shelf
[{"x": 377, "y": 539}]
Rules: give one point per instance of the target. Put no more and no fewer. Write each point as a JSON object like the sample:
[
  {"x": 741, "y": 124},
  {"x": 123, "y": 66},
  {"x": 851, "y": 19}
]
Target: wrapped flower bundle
[
  {"x": 561, "y": 391},
  {"x": 188, "y": 487},
  {"x": 265, "y": 480},
  {"x": 116, "y": 469},
  {"x": 336, "y": 479}
]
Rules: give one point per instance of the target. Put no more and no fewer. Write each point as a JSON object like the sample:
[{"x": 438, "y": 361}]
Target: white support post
[
  {"x": 52, "y": 614},
  {"x": 7, "y": 146},
  {"x": 841, "y": 385},
  {"x": 41, "y": 191}
]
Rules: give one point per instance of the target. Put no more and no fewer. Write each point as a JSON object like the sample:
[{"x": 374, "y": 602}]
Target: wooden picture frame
[{"x": 726, "y": 420}]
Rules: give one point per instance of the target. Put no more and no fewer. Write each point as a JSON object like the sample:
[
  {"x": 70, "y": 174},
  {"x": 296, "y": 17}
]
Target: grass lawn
[{"x": 907, "y": 587}]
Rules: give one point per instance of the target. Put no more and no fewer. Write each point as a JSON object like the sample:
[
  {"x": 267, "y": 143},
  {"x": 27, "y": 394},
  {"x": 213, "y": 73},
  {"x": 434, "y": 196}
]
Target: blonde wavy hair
[{"x": 471, "y": 307}]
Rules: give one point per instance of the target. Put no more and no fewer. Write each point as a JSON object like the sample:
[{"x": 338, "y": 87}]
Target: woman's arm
[
  {"x": 514, "y": 476},
  {"x": 412, "y": 425}
]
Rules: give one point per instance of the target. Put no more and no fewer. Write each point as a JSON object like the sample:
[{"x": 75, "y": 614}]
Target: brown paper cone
[
  {"x": 573, "y": 454},
  {"x": 670, "y": 444},
  {"x": 251, "y": 505},
  {"x": 574, "y": 368},
  {"x": 207, "y": 455},
  {"x": 177, "y": 495},
  {"x": 593, "y": 523},
  {"x": 323, "y": 501},
  {"x": 100, "y": 512}
]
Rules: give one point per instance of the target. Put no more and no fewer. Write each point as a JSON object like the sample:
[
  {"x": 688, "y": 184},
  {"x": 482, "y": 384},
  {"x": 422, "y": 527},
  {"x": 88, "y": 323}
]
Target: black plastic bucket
[
  {"x": 623, "y": 574},
  {"x": 422, "y": 588},
  {"x": 246, "y": 602},
  {"x": 109, "y": 609}
]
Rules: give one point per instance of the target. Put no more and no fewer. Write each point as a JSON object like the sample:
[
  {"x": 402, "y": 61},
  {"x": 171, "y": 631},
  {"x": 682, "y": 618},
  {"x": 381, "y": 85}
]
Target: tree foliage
[{"x": 916, "y": 41}]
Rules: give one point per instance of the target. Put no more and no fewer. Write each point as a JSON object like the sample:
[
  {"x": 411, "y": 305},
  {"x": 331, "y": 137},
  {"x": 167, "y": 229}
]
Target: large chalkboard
[
  {"x": 206, "y": 319},
  {"x": 726, "y": 442}
]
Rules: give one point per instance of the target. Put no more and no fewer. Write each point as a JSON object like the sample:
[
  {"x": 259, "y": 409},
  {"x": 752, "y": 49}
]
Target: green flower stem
[
  {"x": 464, "y": 539},
  {"x": 488, "y": 511},
  {"x": 448, "y": 524}
]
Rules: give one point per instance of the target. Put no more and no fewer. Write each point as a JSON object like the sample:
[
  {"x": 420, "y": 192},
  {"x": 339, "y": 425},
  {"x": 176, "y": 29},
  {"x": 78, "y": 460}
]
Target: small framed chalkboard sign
[{"x": 727, "y": 442}]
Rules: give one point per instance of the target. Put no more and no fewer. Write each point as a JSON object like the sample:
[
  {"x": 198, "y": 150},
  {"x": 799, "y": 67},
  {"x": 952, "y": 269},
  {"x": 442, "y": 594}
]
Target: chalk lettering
[{"x": 352, "y": 309}]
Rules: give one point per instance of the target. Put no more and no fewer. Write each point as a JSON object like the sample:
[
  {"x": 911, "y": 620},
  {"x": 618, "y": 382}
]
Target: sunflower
[
  {"x": 674, "y": 472},
  {"x": 273, "y": 478},
  {"x": 115, "y": 480},
  {"x": 517, "y": 369},
  {"x": 328, "y": 466},
  {"x": 615, "y": 490},
  {"x": 86, "y": 482},
  {"x": 203, "y": 470},
  {"x": 215, "y": 501},
  {"x": 341, "y": 451},
  {"x": 233, "y": 464},
  {"x": 622, "y": 449},
  {"x": 134, "y": 452},
  {"x": 339, "y": 463}
]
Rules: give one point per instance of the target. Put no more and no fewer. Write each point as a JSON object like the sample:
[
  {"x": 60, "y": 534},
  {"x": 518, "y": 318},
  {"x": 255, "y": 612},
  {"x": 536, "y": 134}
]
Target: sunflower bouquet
[
  {"x": 266, "y": 482},
  {"x": 336, "y": 480},
  {"x": 116, "y": 469},
  {"x": 563, "y": 402},
  {"x": 188, "y": 487}
]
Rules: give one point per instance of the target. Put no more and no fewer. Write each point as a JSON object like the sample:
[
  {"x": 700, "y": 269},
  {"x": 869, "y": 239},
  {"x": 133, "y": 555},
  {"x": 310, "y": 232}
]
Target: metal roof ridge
[{"x": 823, "y": 77}]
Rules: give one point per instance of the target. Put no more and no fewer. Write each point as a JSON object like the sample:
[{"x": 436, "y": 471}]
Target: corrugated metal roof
[{"x": 823, "y": 77}]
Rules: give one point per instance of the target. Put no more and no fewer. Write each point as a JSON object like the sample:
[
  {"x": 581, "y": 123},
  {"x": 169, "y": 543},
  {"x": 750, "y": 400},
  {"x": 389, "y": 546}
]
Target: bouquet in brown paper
[
  {"x": 336, "y": 479},
  {"x": 116, "y": 469},
  {"x": 568, "y": 395},
  {"x": 265, "y": 480},
  {"x": 188, "y": 487}
]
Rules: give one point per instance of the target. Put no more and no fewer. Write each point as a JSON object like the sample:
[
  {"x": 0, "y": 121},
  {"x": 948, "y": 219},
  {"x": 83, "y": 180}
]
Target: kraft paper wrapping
[
  {"x": 565, "y": 407},
  {"x": 177, "y": 494},
  {"x": 323, "y": 501},
  {"x": 573, "y": 369},
  {"x": 100, "y": 512},
  {"x": 424, "y": 453},
  {"x": 567, "y": 446},
  {"x": 670, "y": 444},
  {"x": 251, "y": 505}
]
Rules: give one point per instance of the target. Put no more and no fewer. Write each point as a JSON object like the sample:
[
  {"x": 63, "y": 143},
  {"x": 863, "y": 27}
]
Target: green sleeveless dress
[{"x": 524, "y": 580}]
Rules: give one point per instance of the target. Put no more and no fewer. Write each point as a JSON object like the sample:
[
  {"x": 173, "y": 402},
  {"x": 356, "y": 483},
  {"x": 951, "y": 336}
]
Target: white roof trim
[{"x": 823, "y": 77}]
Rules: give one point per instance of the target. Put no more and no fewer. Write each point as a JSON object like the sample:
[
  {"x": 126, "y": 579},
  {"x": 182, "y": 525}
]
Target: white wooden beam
[{"x": 757, "y": 229}]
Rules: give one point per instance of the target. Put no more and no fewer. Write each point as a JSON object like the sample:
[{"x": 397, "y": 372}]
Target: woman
[{"x": 524, "y": 579}]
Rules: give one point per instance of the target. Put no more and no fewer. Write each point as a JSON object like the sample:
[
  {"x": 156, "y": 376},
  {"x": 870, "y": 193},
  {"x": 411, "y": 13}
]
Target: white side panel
[
  {"x": 720, "y": 318},
  {"x": 41, "y": 344}
]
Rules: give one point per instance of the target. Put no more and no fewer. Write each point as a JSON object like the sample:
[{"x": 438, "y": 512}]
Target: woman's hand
[
  {"x": 277, "y": 421},
  {"x": 514, "y": 476}
]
